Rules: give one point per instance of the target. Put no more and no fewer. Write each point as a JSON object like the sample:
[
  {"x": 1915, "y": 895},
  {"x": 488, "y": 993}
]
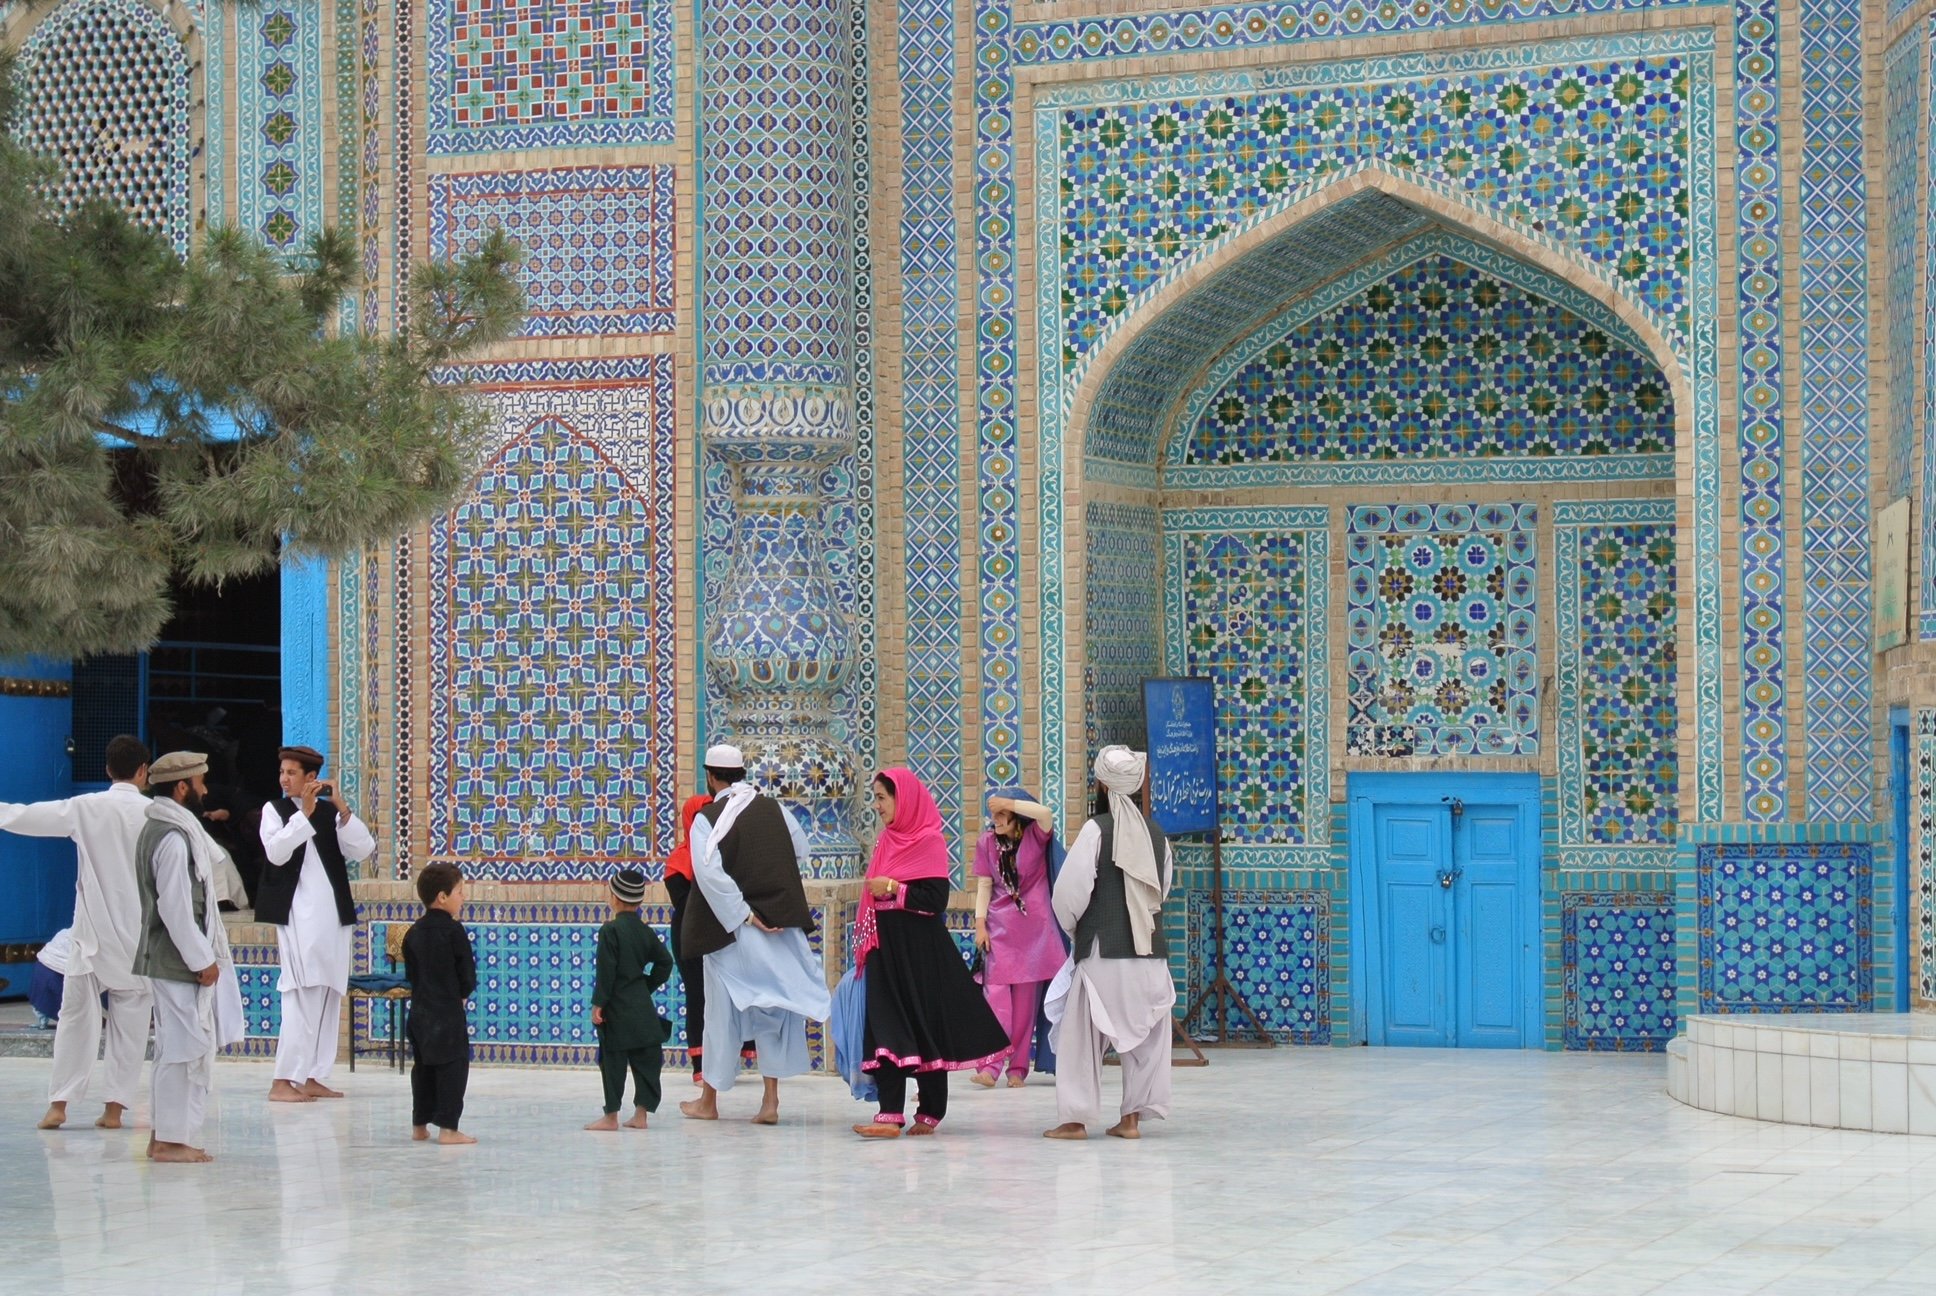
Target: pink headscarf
[{"x": 910, "y": 849}]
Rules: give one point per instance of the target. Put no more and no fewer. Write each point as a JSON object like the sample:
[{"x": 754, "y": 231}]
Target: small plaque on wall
[{"x": 1892, "y": 576}]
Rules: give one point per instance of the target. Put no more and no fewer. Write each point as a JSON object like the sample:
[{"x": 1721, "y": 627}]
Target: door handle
[{"x": 1438, "y": 935}]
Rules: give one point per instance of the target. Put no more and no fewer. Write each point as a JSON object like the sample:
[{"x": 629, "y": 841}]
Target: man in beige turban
[{"x": 1109, "y": 898}]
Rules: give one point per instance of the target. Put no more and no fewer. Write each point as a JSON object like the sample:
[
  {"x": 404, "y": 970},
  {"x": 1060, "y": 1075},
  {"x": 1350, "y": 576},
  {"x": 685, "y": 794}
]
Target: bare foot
[
  {"x": 420, "y": 1133},
  {"x": 454, "y": 1138},
  {"x": 317, "y": 1089},
  {"x": 1067, "y": 1130},
  {"x": 767, "y": 1116},
  {"x": 1129, "y": 1127},
  {"x": 1016, "y": 1082},
  {"x": 919, "y": 1128},
  {"x": 638, "y": 1119},
  {"x": 704, "y": 1107},
  {"x": 180, "y": 1153},
  {"x": 878, "y": 1131},
  {"x": 983, "y": 1079},
  {"x": 110, "y": 1117},
  {"x": 55, "y": 1118},
  {"x": 286, "y": 1091},
  {"x": 769, "y": 1113},
  {"x": 609, "y": 1121}
]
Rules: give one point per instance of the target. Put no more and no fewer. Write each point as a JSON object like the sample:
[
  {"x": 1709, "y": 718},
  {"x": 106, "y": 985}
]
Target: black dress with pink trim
[{"x": 924, "y": 1010}]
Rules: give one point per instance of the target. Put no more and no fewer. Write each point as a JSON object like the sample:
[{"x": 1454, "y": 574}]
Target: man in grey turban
[{"x": 1109, "y": 898}]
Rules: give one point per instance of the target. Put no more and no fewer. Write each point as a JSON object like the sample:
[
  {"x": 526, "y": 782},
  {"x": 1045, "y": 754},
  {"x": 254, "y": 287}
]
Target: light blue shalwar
[{"x": 762, "y": 987}]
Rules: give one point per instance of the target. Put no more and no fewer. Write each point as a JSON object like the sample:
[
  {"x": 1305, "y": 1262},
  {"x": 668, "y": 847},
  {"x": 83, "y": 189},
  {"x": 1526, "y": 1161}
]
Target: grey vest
[
  {"x": 1104, "y": 925},
  {"x": 156, "y": 956}
]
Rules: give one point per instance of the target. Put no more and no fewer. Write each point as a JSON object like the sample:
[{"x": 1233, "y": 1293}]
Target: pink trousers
[{"x": 1015, "y": 1007}]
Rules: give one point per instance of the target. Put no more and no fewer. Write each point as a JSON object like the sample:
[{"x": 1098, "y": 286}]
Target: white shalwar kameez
[
  {"x": 104, "y": 827},
  {"x": 1124, "y": 1003},
  {"x": 762, "y": 987},
  {"x": 191, "y": 1021},
  {"x": 314, "y": 947}
]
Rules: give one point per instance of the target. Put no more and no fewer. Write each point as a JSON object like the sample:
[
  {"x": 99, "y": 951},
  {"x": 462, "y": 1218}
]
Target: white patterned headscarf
[{"x": 1121, "y": 771}]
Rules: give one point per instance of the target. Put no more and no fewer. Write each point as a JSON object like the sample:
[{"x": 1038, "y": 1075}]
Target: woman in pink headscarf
[{"x": 925, "y": 1015}]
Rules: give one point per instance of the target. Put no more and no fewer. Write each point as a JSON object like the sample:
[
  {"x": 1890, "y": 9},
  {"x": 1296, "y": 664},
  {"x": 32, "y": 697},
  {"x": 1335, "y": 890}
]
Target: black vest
[
  {"x": 1104, "y": 926},
  {"x": 757, "y": 853},
  {"x": 277, "y": 890}
]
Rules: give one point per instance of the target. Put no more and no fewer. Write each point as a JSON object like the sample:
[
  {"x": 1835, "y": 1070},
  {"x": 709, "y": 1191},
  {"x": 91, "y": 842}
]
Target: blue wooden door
[
  {"x": 1489, "y": 936},
  {"x": 36, "y": 873},
  {"x": 1414, "y": 925},
  {"x": 1899, "y": 829}
]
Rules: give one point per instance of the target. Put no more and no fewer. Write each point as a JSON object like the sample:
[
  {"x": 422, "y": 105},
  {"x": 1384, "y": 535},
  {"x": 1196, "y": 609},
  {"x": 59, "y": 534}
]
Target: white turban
[{"x": 1121, "y": 771}]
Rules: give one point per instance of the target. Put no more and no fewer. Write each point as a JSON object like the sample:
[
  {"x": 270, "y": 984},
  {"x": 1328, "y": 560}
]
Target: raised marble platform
[{"x": 1861, "y": 1071}]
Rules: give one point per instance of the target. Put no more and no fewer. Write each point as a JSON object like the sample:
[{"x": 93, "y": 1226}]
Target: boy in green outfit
[{"x": 632, "y": 964}]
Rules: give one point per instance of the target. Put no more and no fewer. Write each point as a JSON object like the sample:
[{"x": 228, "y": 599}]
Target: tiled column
[{"x": 777, "y": 389}]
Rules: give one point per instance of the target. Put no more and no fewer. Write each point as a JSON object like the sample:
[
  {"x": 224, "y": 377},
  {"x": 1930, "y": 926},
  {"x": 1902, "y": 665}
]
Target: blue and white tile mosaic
[
  {"x": 1122, "y": 609},
  {"x": 1277, "y": 955},
  {"x": 1618, "y": 972},
  {"x": 1785, "y": 926},
  {"x": 1442, "y": 630}
]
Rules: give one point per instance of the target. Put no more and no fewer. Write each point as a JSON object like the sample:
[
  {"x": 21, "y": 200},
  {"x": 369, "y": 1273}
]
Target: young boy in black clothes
[
  {"x": 443, "y": 974},
  {"x": 632, "y": 964}
]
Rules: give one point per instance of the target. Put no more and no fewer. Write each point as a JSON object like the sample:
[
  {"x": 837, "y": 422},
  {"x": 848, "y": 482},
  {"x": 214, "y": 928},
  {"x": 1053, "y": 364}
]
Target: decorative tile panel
[
  {"x": 1204, "y": 29},
  {"x": 1785, "y": 927},
  {"x": 930, "y": 401},
  {"x": 1124, "y": 618},
  {"x": 597, "y": 241},
  {"x": 1613, "y": 575},
  {"x": 1277, "y": 955},
  {"x": 1837, "y": 656},
  {"x": 104, "y": 92},
  {"x": 1594, "y": 152},
  {"x": 1439, "y": 360},
  {"x": 1245, "y": 612},
  {"x": 553, "y": 645},
  {"x": 763, "y": 297},
  {"x": 279, "y": 111},
  {"x": 1759, "y": 274},
  {"x": 1928, "y": 554},
  {"x": 1923, "y": 861},
  {"x": 1902, "y": 186},
  {"x": 530, "y": 74},
  {"x": 1617, "y": 971},
  {"x": 1443, "y": 631}
]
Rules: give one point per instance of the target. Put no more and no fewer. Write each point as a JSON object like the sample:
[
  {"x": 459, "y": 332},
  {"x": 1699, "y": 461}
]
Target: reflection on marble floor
[{"x": 1310, "y": 1170}]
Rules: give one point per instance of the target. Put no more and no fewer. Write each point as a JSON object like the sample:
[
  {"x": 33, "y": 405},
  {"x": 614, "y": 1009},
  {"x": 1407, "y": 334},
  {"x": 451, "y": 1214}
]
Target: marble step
[{"x": 1860, "y": 1071}]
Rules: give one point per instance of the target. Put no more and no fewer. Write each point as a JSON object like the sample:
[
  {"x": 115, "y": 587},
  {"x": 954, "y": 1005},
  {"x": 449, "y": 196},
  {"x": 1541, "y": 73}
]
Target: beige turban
[{"x": 1120, "y": 771}]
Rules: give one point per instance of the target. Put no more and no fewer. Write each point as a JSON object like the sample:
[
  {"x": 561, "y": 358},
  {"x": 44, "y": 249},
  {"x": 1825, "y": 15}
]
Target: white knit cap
[{"x": 725, "y": 756}]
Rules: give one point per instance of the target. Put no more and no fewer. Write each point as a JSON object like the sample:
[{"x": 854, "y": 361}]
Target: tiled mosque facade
[{"x": 1464, "y": 386}]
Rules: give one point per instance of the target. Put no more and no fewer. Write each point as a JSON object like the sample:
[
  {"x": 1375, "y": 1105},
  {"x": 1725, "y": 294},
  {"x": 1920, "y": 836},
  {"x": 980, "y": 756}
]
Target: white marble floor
[{"x": 1313, "y": 1170}]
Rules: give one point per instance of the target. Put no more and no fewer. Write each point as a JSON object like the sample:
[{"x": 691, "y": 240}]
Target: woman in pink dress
[{"x": 1015, "y": 923}]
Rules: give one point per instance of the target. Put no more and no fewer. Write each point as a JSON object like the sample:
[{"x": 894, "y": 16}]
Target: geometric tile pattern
[
  {"x": 1927, "y": 602},
  {"x": 852, "y": 551},
  {"x": 597, "y": 242},
  {"x": 553, "y": 645},
  {"x": 1442, "y": 630},
  {"x": 1248, "y": 602},
  {"x": 1785, "y": 926},
  {"x": 1614, "y": 578},
  {"x": 1274, "y": 22},
  {"x": 1438, "y": 360},
  {"x": 1837, "y": 655},
  {"x": 1277, "y": 954},
  {"x": 930, "y": 397},
  {"x": 104, "y": 91},
  {"x": 1902, "y": 188},
  {"x": 531, "y": 74},
  {"x": 1122, "y": 611},
  {"x": 1617, "y": 971},
  {"x": 1760, "y": 394},
  {"x": 1595, "y": 153},
  {"x": 775, "y": 98},
  {"x": 1923, "y": 859},
  {"x": 279, "y": 104}
]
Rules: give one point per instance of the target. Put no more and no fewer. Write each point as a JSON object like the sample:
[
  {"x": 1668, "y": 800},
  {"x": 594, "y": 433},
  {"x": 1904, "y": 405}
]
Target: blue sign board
[{"x": 1180, "y": 719}]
